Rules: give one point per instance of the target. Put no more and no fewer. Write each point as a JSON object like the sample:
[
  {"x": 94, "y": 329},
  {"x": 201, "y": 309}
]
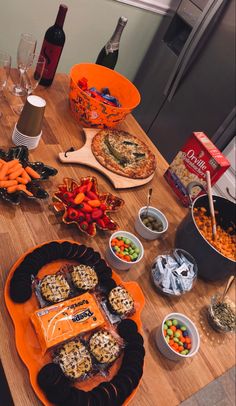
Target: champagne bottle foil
[{"x": 31, "y": 118}]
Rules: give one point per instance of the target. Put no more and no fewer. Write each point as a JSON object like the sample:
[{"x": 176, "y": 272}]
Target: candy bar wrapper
[{"x": 65, "y": 320}]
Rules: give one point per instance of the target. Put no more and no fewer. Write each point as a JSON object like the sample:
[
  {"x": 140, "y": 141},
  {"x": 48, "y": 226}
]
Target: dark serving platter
[{"x": 22, "y": 153}]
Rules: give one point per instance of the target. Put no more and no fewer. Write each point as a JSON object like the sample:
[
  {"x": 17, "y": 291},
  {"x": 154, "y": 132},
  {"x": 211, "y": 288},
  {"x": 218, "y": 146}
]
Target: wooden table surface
[{"x": 31, "y": 223}]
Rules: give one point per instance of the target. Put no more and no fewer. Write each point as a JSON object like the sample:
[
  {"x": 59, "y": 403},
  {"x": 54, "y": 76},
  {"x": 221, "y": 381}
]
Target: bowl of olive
[{"x": 150, "y": 223}]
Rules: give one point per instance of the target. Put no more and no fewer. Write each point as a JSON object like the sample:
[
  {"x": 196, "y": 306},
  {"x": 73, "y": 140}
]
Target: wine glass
[
  {"x": 5, "y": 66},
  {"x": 32, "y": 77},
  {"x": 25, "y": 50},
  {"x": 34, "y": 73}
]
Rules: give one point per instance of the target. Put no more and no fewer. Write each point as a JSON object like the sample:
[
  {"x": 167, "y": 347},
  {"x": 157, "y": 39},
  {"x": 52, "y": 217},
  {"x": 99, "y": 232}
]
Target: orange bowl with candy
[
  {"x": 82, "y": 204},
  {"x": 92, "y": 111}
]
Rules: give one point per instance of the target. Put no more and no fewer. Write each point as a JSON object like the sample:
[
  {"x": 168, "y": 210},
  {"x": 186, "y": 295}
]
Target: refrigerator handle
[
  {"x": 197, "y": 38},
  {"x": 201, "y": 30}
]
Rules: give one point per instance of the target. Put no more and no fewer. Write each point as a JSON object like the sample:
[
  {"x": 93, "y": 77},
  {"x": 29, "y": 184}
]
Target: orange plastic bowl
[{"x": 90, "y": 112}]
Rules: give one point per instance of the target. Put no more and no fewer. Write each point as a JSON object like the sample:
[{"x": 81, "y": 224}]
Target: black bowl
[{"x": 34, "y": 187}]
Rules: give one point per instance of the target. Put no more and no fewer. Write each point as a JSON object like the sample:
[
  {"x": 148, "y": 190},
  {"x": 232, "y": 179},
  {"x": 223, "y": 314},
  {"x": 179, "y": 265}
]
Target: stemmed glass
[
  {"x": 5, "y": 66},
  {"x": 25, "y": 50},
  {"x": 32, "y": 77}
]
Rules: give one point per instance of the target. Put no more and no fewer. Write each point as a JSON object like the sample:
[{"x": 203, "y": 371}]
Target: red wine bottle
[
  {"x": 109, "y": 53},
  {"x": 52, "y": 47}
]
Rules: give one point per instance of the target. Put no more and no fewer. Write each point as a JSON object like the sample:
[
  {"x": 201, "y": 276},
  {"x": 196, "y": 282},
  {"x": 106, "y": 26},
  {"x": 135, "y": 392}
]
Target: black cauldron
[{"x": 212, "y": 265}]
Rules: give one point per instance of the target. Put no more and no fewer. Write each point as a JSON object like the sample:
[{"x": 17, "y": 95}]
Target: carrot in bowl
[{"x": 32, "y": 172}]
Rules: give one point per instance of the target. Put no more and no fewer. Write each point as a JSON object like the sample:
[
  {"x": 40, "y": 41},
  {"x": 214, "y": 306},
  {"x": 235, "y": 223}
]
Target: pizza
[{"x": 123, "y": 153}]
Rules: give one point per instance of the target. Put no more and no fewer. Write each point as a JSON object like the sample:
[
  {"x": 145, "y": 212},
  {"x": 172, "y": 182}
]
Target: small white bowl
[
  {"x": 117, "y": 262},
  {"x": 164, "y": 347},
  {"x": 144, "y": 231}
]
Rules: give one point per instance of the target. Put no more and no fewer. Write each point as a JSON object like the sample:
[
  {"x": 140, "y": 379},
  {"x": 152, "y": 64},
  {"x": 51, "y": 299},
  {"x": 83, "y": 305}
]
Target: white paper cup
[
  {"x": 21, "y": 139},
  {"x": 164, "y": 347},
  {"x": 117, "y": 262},
  {"x": 144, "y": 231}
]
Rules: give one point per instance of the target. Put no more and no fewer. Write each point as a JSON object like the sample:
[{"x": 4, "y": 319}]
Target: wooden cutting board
[{"x": 85, "y": 156}]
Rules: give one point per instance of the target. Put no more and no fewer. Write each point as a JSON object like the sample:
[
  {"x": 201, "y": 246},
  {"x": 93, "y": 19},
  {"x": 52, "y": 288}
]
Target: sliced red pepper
[
  {"x": 106, "y": 220},
  {"x": 103, "y": 206},
  {"x": 92, "y": 195},
  {"x": 96, "y": 214},
  {"x": 66, "y": 197},
  {"x": 81, "y": 216},
  {"x": 89, "y": 186},
  {"x": 85, "y": 207},
  {"x": 91, "y": 230},
  {"x": 72, "y": 213},
  {"x": 88, "y": 217},
  {"x": 81, "y": 189},
  {"x": 84, "y": 225},
  {"x": 101, "y": 223}
]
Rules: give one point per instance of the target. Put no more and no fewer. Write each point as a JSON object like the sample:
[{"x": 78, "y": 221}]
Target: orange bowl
[{"x": 91, "y": 112}]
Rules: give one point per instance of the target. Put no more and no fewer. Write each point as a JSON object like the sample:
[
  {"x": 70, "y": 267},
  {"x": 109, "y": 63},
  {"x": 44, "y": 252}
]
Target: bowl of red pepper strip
[{"x": 81, "y": 203}]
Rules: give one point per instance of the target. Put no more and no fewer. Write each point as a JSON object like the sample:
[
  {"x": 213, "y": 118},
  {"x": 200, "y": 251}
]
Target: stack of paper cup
[{"x": 28, "y": 130}]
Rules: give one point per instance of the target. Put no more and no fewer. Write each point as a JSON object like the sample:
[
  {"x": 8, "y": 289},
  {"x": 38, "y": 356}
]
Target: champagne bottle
[
  {"x": 53, "y": 43},
  {"x": 109, "y": 53}
]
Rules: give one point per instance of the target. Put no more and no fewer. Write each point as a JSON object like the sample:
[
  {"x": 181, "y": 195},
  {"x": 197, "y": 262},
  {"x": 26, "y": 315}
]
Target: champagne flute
[
  {"x": 5, "y": 66},
  {"x": 25, "y": 50},
  {"x": 32, "y": 77}
]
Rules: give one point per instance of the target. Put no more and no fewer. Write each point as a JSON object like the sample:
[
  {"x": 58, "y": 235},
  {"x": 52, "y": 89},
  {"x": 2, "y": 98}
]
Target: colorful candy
[
  {"x": 104, "y": 95},
  {"x": 125, "y": 249},
  {"x": 177, "y": 336}
]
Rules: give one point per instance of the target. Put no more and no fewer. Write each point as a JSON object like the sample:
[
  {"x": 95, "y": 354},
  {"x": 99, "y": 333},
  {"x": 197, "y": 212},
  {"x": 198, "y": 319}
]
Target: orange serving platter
[{"x": 27, "y": 343}]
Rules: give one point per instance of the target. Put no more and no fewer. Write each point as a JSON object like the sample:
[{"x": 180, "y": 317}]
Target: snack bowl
[
  {"x": 217, "y": 307},
  {"x": 179, "y": 284},
  {"x": 146, "y": 232},
  {"x": 33, "y": 186},
  {"x": 117, "y": 262},
  {"x": 165, "y": 348},
  {"x": 86, "y": 217},
  {"x": 91, "y": 112}
]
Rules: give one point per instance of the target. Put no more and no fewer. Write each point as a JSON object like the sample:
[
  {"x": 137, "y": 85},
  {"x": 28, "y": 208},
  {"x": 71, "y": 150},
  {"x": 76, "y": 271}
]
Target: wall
[{"x": 88, "y": 25}]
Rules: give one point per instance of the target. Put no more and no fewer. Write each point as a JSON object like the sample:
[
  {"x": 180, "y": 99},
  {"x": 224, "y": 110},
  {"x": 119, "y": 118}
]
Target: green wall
[{"x": 88, "y": 25}]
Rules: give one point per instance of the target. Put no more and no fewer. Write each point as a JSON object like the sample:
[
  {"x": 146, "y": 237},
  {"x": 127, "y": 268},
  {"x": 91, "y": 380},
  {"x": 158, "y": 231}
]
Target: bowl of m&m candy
[
  {"x": 124, "y": 250},
  {"x": 177, "y": 338}
]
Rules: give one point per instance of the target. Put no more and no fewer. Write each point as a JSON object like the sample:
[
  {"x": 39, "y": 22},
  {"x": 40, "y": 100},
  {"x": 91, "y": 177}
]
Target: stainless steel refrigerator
[{"x": 187, "y": 78}]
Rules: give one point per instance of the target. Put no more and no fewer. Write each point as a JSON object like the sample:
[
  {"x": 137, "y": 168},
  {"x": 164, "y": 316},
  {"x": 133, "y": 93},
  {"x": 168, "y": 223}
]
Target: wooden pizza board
[{"x": 85, "y": 156}]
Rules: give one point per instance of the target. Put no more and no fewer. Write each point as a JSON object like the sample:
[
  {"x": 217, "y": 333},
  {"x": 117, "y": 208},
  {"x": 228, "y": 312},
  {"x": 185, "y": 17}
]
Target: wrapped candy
[{"x": 174, "y": 273}]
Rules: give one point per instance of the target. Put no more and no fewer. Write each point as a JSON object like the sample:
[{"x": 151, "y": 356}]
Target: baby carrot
[
  {"x": 12, "y": 163},
  {"x": 7, "y": 183},
  {"x": 3, "y": 171},
  {"x": 22, "y": 180},
  {"x": 94, "y": 203},
  {"x": 16, "y": 188},
  {"x": 25, "y": 175},
  {"x": 14, "y": 168},
  {"x": 32, "y": 172},
  {"x": 16, "y": 174}
]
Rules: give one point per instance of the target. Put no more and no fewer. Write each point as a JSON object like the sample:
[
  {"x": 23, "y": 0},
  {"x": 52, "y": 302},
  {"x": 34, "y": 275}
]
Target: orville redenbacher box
[{"x": 187, "y": 172}]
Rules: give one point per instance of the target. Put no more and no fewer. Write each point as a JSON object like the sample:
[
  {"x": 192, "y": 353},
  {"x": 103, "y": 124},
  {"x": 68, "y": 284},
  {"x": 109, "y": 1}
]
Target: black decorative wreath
[{"x": 57, "y": 388}]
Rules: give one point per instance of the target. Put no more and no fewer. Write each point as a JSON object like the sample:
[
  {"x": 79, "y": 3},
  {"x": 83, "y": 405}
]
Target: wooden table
[{"x": 31, "y": 223}]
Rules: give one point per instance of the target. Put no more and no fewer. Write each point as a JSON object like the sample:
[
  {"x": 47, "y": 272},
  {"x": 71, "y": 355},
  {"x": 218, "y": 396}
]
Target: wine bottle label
[
  {"x": 52, "y": 54},
  {"x": 111, "y": 47}
]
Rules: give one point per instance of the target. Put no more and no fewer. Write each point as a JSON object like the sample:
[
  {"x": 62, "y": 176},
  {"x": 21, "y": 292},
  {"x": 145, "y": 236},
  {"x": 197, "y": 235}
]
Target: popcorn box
[{"x": 187, "y": 172}]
